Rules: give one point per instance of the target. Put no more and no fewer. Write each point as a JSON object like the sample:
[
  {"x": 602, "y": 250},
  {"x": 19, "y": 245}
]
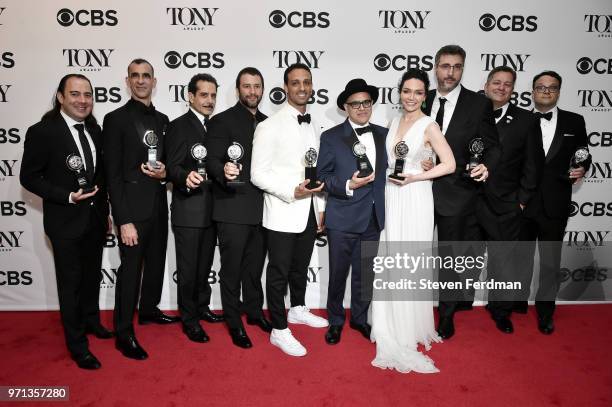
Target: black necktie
[
  {"x": 254, "y": 122},
  {"x": 362, "y": 130},
  {"x": 204, "y": 123},
  {"x": 86, "y": 150},
  {"x": 440, "y": 114},
  {"x": 497, "y": 113},
  {"x": 303, "y": 118},
  {"x": 546, "y": 116}
]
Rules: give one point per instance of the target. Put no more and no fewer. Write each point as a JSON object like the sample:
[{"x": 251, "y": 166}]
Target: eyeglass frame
[
  {"x": 357, "y": 104},
  {"x": 551, "y": 89}
]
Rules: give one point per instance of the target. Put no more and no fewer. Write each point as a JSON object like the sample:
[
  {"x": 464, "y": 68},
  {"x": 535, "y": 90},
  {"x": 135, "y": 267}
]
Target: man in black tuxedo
[
  {"x": 133, "y": 135},
  {"x": 194, "y": 234},
  {"x": 462, "y": 115},
  {"x": 74, "y": 220},
  {"x": 563, "y": 134},
  {"x": 508, "y": 190},
  {"x": 238, "y": 209}
]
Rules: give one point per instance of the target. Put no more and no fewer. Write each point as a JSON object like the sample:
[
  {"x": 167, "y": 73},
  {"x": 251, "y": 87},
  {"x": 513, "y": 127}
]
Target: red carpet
[{"x": 480, "y": 366}]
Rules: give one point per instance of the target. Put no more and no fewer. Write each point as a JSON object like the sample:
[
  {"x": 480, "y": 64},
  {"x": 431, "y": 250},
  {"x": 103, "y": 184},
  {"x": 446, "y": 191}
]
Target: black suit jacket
[
  {"x": 555, "y": 192},
  {"x": 132, "y": 193},
  {"x": 472, "y": 117},
  {"x": 243, "y": 205},
  {"x": 44, "y": 173},
  {"x": 518, "y": 172},
  {"x": 190, "y": 207}
]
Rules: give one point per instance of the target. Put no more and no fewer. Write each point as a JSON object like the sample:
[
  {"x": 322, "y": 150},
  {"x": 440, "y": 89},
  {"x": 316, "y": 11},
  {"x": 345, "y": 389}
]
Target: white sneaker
[
  {"x": 288, "y": 344},
  {"x": 302, "y": 315}
]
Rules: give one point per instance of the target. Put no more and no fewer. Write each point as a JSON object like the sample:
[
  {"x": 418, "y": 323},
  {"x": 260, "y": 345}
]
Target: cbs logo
[
  {"x": 489, "y": 22},
  {"x": 299, "y": 19},
  {"x": 95, "y": 18}
]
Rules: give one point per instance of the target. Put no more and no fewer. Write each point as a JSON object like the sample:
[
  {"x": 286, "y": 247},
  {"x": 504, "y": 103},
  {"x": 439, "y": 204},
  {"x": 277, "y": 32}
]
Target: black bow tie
[
  {"x": 362, "y": 130},
  {"x": 497, "y": 113},
  {"x": 303, "y": 118},
  {"x": 546, "y": 116}
]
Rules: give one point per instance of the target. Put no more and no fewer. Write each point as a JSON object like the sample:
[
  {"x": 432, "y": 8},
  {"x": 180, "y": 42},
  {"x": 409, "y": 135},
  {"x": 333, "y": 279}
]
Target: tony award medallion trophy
[
  {"x": 401, "y": 151},
  {"x": 235, "y": 152},
  {"x": 476, "y": 148},
  {"x": 363, "y": 165},
  {"x": 310, "y": 172},
  {"x": 199, "y": 153},
  {"x": 150, "y": 139},
  {"x": 580, "y": 156},
  {"x": 74, "y": 162}
]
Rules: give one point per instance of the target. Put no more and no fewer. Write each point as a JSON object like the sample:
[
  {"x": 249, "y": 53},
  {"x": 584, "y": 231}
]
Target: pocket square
[{"x": 568, "y": 135}]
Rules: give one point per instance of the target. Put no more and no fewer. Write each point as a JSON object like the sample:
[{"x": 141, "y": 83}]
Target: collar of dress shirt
[
  {"x": 452, "y": 96},
  {"x": 199, "y": 115},
  {"x": 294, "y": 112},
  {"x": 504, "y": 109},
  {"x": 554, "y": 110},
  {"x": 141, "y": 107},
  {"x": 357, "y": 126},
  {"x": 70, "y": 121},
  {"x": 247, "y": 112}
]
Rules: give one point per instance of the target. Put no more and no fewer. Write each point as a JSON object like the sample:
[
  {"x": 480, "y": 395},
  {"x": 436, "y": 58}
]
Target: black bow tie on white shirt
[
  {"x": 497, "y": 113},
  {"x": 303, "y": 118},
  {"x": 363, "y": 130},
  {"x": 546, "y": 116}
]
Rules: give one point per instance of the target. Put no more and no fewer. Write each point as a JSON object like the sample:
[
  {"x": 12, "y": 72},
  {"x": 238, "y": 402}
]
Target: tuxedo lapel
[
  {"x": 504, "y": 124},
  {"x": 197, "y": 129},
  {"x": 558, "y": 137},
  {"x": 65, "y": 136}
]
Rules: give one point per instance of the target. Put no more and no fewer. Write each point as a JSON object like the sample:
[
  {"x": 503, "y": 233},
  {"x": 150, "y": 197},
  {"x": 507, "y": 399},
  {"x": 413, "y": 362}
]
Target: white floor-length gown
[{"x": 399, "y": 326}]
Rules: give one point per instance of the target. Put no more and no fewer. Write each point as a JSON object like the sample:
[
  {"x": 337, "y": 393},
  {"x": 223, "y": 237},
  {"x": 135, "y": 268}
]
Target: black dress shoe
[
  {"x": 520, "y": 307},
  {"x": 546, "y": 325},
  {"x": 364, "y": 329},
  {"x": 99, "y": 331},
  {"x": 504, "y": 324},
  {"x": 211, "y": 317},
  {"x": 195, "y": 333},
  {"x": 157, "y": 317},
  {"x": 464, "y": 306},
  {"x": 333, "y": 334},
  {"x": 261, "y": 322},
  {"x": 446, "y": 327},
  {"x": 130, "y": 348},
  {"x": 240, "y": 338},
  {"x": 87, "y": 361}
]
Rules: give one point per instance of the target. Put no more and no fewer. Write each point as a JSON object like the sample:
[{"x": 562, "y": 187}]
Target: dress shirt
[
  {"x": 367, "y": 139},
  {"x": 504, "y": 109},
  {"x": 75, "y": 136},
  {"x": 548, "y": 128},
  {"x": 449, "y": 106}
]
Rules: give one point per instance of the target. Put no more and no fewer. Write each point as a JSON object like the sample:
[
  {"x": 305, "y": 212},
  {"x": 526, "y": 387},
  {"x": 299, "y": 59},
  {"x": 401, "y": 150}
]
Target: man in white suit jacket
[{"x": 290, "y": 209}]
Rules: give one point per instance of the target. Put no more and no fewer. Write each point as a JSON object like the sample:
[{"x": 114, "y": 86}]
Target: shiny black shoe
[
  {"x": 240, "y": 338},
  {"x": 446, "y": 327},
  {"x": 99, "y": 331},
  {"x": 520, "y": 307},
  {"x": 464, "y": 306},
  {"x": 364, "y": 329},
  {"x": 333, "y": 334},
  {"x": 195, "y": 333},
  {"x": 546, "y": 325},
  {"x": 87, "y": 361},
  {"x": 211, "y": 317},
  {"x": 261, "y": 322},
  {"x": 504, "y": 324},
  {"x": 130, "y": 348},
  {"x": 157, "y": 317}
]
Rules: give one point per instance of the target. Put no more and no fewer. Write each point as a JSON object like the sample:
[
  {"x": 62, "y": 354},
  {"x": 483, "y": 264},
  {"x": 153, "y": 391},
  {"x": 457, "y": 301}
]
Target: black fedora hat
[{"x": 356, "y": 86}]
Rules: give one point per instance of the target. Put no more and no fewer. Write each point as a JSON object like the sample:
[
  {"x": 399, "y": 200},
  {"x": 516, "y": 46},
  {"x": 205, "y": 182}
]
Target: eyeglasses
[
  {"x": 448, "y": 67},
  {"x": 360, "y": 103},
  {"x": 549, "y": 89}
]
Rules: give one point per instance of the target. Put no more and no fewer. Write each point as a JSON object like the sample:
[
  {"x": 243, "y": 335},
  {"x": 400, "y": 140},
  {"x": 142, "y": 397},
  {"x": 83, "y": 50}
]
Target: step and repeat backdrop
[{"x": 44, "y": 40}]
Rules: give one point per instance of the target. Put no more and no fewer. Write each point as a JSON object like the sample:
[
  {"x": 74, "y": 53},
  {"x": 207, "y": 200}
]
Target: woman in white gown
[{"x": 399, "y": 326}]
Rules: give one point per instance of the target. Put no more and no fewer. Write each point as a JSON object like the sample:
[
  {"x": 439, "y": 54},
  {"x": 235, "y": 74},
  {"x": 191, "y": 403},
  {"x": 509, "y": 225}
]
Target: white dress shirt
[
  {"x": 548, "y": 128},
  {"x": 75, "y": 135},
  {"x": 504, "y": 109},
  {"x": 449, "y": 106},
  {"x": 200, "y": 117}
]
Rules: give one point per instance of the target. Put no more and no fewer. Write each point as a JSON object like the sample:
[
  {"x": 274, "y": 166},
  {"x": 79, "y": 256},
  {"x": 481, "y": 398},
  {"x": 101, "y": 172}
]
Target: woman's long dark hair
[{"x": 55, "y": 111}]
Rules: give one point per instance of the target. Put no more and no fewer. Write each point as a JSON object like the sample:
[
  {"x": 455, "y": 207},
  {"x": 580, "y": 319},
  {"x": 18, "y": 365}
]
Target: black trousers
[
  {"x": 150, "y": 250},
  {"x": 345, "y": 255},
  {"x": 288, "y": 258},
  {"x": 549, "y": 234},
  {"x": 457, "y": 229},
  {"x": 502, "y": 232},
  {"x": 243, "y": 252},
  {"x": 195, "y": 250},
  {"x": 78, "y": 264}
]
